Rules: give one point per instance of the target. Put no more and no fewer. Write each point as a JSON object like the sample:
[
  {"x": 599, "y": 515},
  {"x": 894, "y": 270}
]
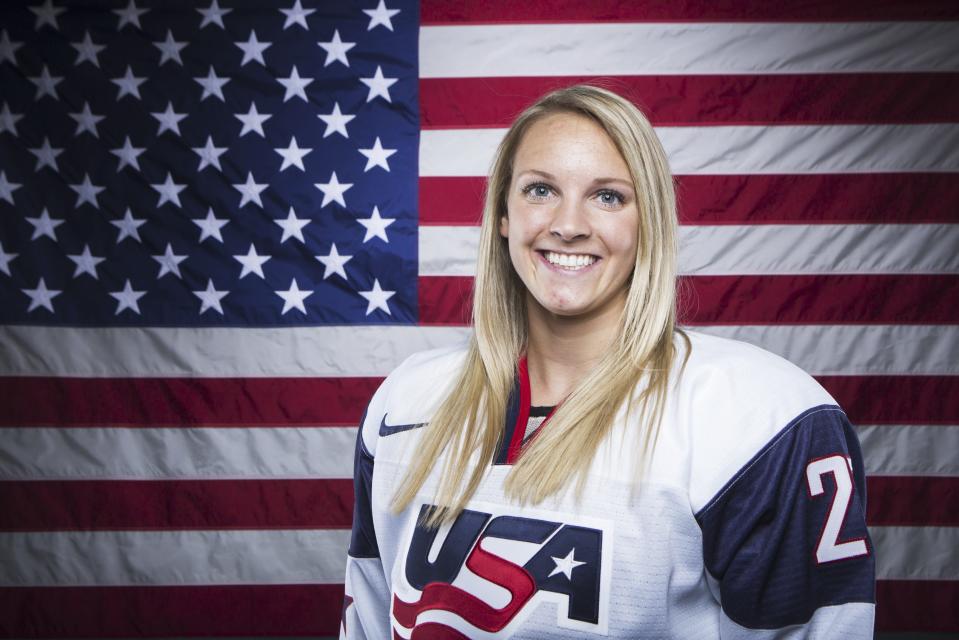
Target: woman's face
[{"x": 573, "y": 221}]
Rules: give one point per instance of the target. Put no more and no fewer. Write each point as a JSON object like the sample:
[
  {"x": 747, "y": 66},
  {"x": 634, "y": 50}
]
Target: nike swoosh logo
[{"x": 390, "y": 429}]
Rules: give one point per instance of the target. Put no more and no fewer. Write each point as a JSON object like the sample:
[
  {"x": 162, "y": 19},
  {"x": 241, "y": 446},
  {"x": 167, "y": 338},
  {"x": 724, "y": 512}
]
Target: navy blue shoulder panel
[
  {"x": 787, "y": 534},
  {"x": 363, "y": 539}
]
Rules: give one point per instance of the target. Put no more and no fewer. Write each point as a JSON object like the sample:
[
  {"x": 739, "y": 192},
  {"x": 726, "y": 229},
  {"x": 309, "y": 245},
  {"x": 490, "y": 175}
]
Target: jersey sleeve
[
  {"x": 366, "y": 602},
  {"x": 785, "y": 544}
]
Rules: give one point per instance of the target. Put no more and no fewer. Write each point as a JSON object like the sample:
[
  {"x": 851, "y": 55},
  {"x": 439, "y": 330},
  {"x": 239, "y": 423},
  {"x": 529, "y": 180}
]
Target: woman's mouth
[{"x": 568, "y": 261}]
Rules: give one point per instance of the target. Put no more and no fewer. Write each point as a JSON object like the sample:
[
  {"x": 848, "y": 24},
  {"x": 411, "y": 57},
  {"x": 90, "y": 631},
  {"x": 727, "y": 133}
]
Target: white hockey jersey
[{"x": 750, "y": 522}]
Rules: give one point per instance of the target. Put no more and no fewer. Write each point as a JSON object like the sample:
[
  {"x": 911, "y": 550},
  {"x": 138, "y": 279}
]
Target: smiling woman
[{"x": 584, "y": 467}]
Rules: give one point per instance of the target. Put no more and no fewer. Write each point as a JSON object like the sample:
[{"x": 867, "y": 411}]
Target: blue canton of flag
[{"x": 221, "y": 166}]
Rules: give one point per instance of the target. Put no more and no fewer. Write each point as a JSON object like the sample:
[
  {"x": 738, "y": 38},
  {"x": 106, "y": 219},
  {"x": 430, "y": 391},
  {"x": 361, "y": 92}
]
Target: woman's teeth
[{"x": 569, "y": 261}]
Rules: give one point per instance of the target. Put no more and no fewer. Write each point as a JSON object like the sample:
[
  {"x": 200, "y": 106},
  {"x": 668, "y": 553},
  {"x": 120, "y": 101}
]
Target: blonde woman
[{"x": 584, "y": 468}]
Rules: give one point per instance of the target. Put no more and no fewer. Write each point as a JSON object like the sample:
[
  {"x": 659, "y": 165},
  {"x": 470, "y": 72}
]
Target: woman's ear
[{"x": 504, "y": 226}]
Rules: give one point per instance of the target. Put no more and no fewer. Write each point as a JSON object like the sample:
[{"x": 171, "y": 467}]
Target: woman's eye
[
  {"x": 538, "y": 191},
  {"x": 610, "y": 198}
]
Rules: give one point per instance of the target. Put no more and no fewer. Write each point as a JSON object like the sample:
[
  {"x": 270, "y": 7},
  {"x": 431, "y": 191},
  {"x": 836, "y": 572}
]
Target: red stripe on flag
[
  {"x": 917, "y": 605},
  {"x": 912, "y": 501},
  {"x": 151, "y": 612},
  {"x": 671, "y": 100},
  {"x": 435, "y": 12},
  {"x": 896, "y": 399},
  {"x": 734, "y": 300},
  {"x": 175, "y": 504},
  {"x": 210, "y": 402},
  {"x": 753, "y": 199},
  {"x": 809, "y": 299}
]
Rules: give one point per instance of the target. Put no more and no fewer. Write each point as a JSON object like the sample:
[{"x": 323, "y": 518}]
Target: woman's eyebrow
[
  {"x": 626, "y": 183},
  {"x": 545, "y": 174}
]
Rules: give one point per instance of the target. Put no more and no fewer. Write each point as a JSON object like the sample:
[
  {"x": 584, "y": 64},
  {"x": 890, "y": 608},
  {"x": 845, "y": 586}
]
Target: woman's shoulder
[
  {"x": 412, "y": 391},
  {"x": 745, "y": 372}
]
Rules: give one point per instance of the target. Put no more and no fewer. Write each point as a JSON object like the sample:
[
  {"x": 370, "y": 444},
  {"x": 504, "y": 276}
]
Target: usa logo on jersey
[{"x": 485, "y": 574}]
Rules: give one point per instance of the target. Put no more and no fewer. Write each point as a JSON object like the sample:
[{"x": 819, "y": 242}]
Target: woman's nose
[{"x": 569, "y": 221}]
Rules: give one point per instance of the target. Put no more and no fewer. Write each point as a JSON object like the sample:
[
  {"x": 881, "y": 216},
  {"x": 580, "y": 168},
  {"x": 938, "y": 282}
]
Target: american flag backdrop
[{"x": 221, "y": 225}]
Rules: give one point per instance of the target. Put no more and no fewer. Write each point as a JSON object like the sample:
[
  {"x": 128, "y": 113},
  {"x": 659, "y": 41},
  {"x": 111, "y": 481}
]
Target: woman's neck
[{"x": 562, "y": 350}]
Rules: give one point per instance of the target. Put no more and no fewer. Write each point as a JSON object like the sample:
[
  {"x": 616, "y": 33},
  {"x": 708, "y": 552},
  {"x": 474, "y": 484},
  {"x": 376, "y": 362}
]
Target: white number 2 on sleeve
[{"x": 829, "y": 548}]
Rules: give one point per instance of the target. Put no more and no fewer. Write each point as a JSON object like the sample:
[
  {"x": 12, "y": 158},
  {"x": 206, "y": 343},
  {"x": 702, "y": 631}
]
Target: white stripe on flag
[
  {"x": 312, "y": 453},
  {"x": 173, "y": 558},
  {"x": 916, "y": 553},
  {"x": 756, "y": 249},
  {"x": 687, "y": 48},
  {"x": 375, "y": 351},
  {"x": 194, "y": 453},
  {"x": 118, "y": 558},
  {"x": 735, "y": 150},
  {"x": 910, "y": 450},
  {"x": 856, "y": 349},
  {"x": 214, "y": 352}
]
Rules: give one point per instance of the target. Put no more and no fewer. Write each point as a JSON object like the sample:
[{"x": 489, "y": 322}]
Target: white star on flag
[
  {"x": 169, "y": 262},
  {"x": 210, "y": 226},
  {"x": 87, "y": 50},
  {"x": 86, "y": 263},
  {"x": 209, "y": 155},
  {"x": 376, "y": 226},
  {"x": 46, "y": 155},
  {"x": 333, "y": 263},
  {"x": 293, "y": 155},
  {"x": 46, "y": 84},
  {"x": 7, "y": 188},
  {"x": 6, "y": 259},
  {"x": 169, "y": 120},
  {"x": 250, "y": 191},
  {"x": 252, "y": 121},
  {"x": 128, "y": 155},
  {"x": 46, "y": 14},
  {"x": 381, "y": 15},
  {"x": 252, "y": 263},
  {"x": 253, "y": 49},
  {"x": 41, "y": 296},
  {"x": 293, "y": 297},
  {"x": 127, "y": 298},
  {"x": 376, "y": 298},
  {"x": 296, "y": 15},
  {"x": 129, "y": 84},
  {"x": 379, "y": 85},
  {"x": 292, "y": 226},
  {"x": 128, "y": 226},
  {"x": 336, "y": 50},
  {"x": 129, "y": 15},
  {"x": 169, "y": 191},
  {"x": 44, "y": 226},
  {"x": 8, "y": 120},
  {"x": 87, "y": 192},
  {"x": 210, "y": 298},
  {"x": 377, "y": 156},
  {"x": 213, "y": 15},
  {"x": 8, "y": 48},
  {"x": 295, "y": 85},
  {"x": 86, "y": 121},
  {"x": 333, "y": 190},
  {"x": 170, "y": 49},
  {"x": 212, "y": 85},
  {"x": 566, "y": 565},
  {"x": 336, "y": 121}
]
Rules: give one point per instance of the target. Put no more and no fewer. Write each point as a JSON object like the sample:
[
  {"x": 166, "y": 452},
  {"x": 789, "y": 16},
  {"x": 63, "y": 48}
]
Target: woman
[{"x": 680, "y": 485}]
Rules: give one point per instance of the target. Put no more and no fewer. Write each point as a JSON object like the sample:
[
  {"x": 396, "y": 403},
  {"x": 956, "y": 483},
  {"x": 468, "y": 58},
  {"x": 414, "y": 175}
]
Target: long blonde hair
[{"x": 468, "y": 424}]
